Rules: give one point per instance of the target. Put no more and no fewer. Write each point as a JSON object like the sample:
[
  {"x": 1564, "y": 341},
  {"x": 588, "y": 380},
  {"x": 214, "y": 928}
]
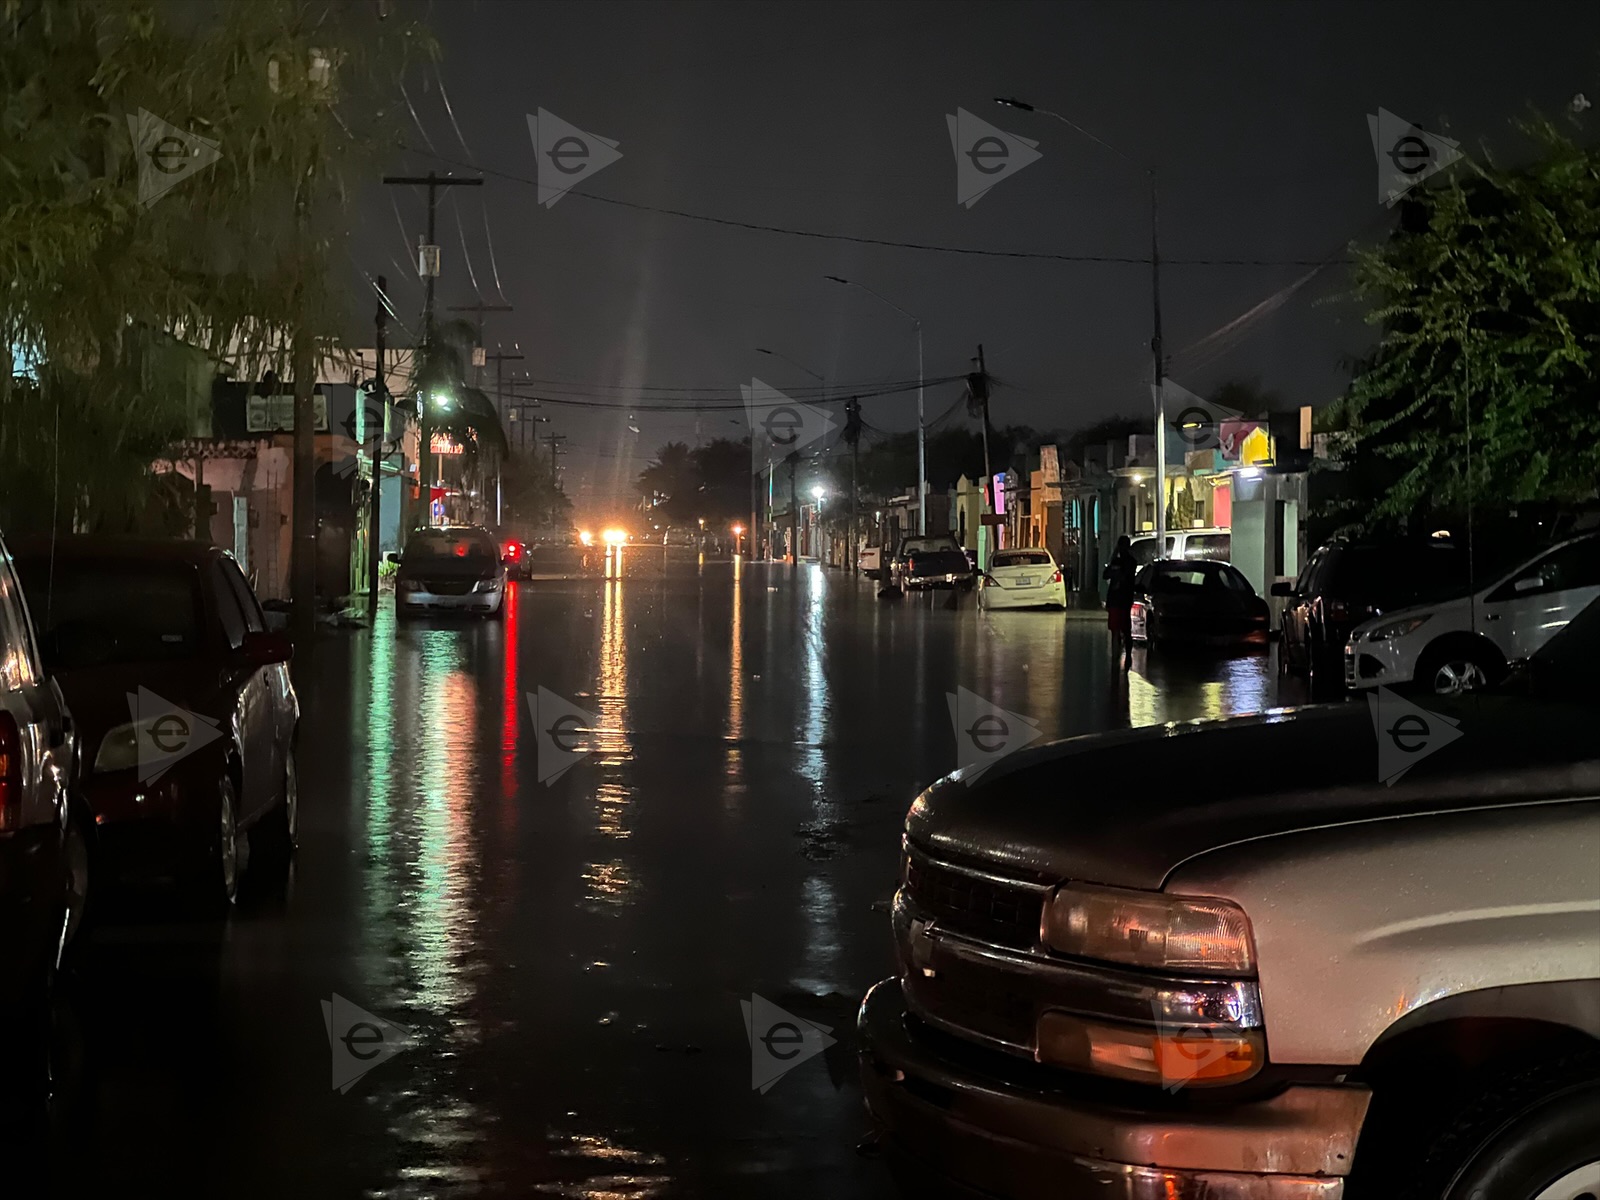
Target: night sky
[{"x": 830, "y": 118}]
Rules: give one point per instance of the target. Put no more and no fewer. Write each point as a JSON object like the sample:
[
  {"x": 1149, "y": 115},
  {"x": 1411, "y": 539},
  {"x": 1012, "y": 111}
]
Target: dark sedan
[
  {"x": 184, "y": 706},
  {"x": 1197, "y": 603},
  {"x": 1345, "y": 583}
]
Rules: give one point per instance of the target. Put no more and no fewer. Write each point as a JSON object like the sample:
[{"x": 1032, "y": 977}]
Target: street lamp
[
  {"x": 803, "y": 369},
  {"x": 1155, "y": 298},
  {"x": 922, "y": 441}
]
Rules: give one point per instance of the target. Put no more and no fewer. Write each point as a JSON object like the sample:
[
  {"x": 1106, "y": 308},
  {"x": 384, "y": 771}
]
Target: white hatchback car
[
  {"x": 1025, "y": 578},
  {"x": 1471, "y": 641}
]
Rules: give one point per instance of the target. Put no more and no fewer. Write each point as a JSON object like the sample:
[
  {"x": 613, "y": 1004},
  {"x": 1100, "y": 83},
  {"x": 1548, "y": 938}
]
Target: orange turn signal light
[{"x": 1190, "y": 1056}]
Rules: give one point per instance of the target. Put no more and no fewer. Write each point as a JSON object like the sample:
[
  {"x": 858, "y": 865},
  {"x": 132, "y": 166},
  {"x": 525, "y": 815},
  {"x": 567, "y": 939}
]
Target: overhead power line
[{"x": 934, "y": 248}]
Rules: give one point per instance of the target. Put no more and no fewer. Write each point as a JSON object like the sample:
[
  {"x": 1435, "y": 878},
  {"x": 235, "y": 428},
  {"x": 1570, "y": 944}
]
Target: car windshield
[
  {"x": 1020, "y": 558},
  {"x": 930, "y": 546},
  {"x": 440, "y": 548},
  {"x": 93, "y": 614}
]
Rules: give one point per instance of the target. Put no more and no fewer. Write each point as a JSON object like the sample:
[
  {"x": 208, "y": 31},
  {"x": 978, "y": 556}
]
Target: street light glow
[{"x": 819, "y": 492}]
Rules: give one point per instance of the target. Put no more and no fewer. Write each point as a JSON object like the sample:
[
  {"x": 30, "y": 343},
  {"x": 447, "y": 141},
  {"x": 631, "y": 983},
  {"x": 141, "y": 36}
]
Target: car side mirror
[
  {"x": 1283, "y": 588},
  {"x": 1528, "y": 583},
  {"x": 266, "y": 648}
]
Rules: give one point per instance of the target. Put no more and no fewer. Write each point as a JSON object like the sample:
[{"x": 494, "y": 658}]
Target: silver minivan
[
  {"x": 1204, "y": 545},
  {"x": 43, "y": 846}
]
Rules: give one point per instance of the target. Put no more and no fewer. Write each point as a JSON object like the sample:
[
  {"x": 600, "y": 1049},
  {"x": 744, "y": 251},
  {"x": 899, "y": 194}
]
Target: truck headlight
[
  {"x": 1396, "y": 629},
  {"x": 1198, "y": 934}
]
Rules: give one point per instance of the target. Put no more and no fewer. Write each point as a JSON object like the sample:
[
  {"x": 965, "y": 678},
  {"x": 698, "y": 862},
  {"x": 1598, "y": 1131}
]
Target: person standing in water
[{"x": 1119, "y": 575}]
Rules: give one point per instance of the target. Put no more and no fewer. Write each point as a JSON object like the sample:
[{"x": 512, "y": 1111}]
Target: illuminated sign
[{"x": 443, "y": 443}]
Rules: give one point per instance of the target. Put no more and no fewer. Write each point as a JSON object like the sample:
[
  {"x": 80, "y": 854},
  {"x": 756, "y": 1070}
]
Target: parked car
[
  {"x": 1471, "y": 641},
  {"x": 686, "y": 537},
  {"x": 1203, "y": 545},
  {"x": 1324, "y": 959},
  {"x": 1347, "y": 582},
  {"x": 516, "y": 557},
  {"x": 185, "y": 711},
  {"x": 1028, "y": 578},
  {"x": 450, "y": 568},
  {"x": 1198, "y": 603},
  {"x": 44, "y": 864},
  {"x": 929, "y": 561}
]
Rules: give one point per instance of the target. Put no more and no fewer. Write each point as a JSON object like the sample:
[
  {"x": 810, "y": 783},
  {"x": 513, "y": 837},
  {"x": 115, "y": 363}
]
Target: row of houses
[{"x": 1247, "y": 477}]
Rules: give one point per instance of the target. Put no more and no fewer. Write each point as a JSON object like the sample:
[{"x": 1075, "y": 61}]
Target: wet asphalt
[{"x": 555, "y": 966}]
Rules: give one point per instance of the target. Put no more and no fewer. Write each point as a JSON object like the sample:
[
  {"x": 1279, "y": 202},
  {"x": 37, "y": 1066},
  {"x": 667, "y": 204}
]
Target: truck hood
[{"x": 1127, "y": 808}]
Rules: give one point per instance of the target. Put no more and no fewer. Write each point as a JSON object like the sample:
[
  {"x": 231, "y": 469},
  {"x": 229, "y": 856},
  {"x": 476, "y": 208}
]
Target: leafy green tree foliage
[
  {"x": 1484, "y": 384},
  {"x": 240, "y": 259}
]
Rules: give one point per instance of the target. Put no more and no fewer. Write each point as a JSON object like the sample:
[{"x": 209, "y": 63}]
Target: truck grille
[{"x": 1003, "y": 914}]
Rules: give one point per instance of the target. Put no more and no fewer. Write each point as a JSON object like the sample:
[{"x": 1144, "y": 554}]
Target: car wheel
[
  {"x": 1527, "y": 1136},
  {"x": 214, "y": 881},
  {"x": 274, "y": 839},
  {"x": 1453, "y": 671}
]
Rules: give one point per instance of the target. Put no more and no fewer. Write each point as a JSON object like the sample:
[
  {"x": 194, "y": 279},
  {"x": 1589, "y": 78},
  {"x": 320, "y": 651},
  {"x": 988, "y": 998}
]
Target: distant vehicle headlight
[
  {"x": 1149, "y": 929},
  {"x": 586, "y": 538},
  {"x": 615, "y": 537},
  {"x": 1398, "y": 629}
]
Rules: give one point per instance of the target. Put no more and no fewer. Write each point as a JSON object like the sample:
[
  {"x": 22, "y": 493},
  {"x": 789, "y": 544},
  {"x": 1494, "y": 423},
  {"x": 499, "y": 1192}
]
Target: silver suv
[
  {"x": 43, "y": 852},
  {"x": 1346, "y": 950}
]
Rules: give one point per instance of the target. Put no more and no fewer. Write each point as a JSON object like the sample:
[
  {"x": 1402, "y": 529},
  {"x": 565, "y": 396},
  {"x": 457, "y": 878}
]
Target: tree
[
  {"x": 1484, "y": 383},
  {"x": 671, "y": 483},
  {"x": 238, "y": 260}
]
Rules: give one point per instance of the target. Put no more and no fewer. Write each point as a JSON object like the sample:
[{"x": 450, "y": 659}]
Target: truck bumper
[{"x": 951, "y": 1131}]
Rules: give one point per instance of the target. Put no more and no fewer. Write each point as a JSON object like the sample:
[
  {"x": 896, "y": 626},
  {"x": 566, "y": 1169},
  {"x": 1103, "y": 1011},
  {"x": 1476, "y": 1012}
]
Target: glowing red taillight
[
  {"x": 1056, "y": 578},
  {"x": 512, "y": 550},
  {"x": 10, "y": 773}
]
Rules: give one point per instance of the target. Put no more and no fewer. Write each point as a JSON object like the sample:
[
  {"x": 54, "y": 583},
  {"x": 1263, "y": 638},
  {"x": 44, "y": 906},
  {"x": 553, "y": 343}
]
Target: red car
[
  {"x": 185, "y": 712},
  {"x": 515, "y": 558}
]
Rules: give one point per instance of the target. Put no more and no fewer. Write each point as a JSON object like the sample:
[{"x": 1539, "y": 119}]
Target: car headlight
[
  {"x": 407, "y": 585},
  {"x": 1149, "y": 929},
  {"x": 1397, "y": 629},
  {"x": 487, "y": 585}
]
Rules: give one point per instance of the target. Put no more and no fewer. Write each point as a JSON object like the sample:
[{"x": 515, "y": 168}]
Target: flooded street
[{"x": 561, "y": 938}]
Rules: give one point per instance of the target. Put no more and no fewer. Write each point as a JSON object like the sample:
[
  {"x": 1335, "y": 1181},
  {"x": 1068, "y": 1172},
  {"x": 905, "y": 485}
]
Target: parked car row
[{"x": 147, "y": 735}]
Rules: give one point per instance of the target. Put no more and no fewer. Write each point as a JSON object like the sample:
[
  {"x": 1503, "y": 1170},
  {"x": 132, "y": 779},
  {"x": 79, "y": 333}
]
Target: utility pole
[
  {"x": 555, "y": 440},
  {"x": 792, "y": 461},
  {"x": 1160, "y": 372},
  {"x": 428, "y": 267},
  {"x": 479, "y": 352},
  {"x": 852, "y": 435},
  {"x": 978, "y": 394},
  {"x": 499, "y": 358},
  {"x": 375, "y": 503}
]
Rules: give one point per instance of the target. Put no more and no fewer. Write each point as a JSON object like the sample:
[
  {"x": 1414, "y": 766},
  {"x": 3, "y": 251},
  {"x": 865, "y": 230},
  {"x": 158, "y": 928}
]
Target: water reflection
[{"x": 421, "y": 892}]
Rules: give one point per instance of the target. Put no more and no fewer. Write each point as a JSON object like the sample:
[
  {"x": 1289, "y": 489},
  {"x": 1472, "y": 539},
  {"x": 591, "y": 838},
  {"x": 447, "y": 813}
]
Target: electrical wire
[{"x": 856, "y": 239}]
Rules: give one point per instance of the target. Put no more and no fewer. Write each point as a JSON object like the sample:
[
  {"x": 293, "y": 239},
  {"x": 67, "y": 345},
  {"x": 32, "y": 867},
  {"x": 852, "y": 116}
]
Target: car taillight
[
  {"x": 911, "y": 564},
  {"x": 1056, "y": 578},
  {"x": 512, "y": 550},
  {"x": 10, "y": 773},
  {"x": 1338, "y": 610}
]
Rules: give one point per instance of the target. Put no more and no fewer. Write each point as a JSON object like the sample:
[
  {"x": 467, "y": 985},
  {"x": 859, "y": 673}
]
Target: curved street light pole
[
  {"x": 922, "y": 433},
  {"x": 1155, "y": 298}
]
